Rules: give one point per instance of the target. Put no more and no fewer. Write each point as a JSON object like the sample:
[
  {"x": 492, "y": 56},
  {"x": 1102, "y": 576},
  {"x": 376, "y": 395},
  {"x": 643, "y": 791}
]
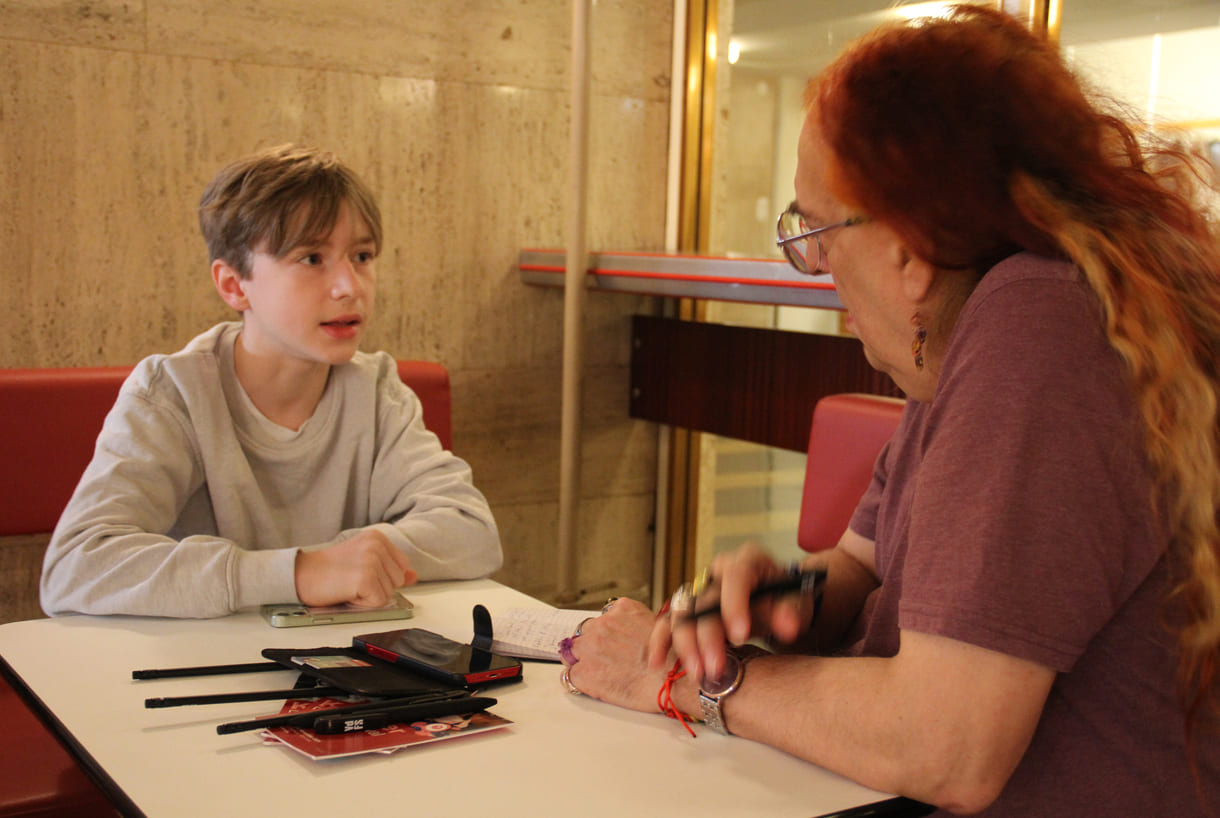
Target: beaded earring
[{"x": 921, "y": 335}]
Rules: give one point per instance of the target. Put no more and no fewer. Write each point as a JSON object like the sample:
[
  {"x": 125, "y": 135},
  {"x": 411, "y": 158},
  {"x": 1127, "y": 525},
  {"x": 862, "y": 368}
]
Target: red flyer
[{"x": 383, "y": 740}]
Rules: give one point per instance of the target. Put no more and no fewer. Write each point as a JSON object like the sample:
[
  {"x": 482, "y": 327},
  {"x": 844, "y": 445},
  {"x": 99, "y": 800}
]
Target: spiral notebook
[{"x": 534, "y": 633}]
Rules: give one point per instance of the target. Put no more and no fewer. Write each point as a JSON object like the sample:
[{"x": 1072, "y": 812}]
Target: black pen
[
  {"x": 802, "y": 582},
  {"x": 362, "y": 720},
  {"x": 205, "y": 670},
  {"x": 288, "y": 718},
  {"x": 253, "y": 696}
]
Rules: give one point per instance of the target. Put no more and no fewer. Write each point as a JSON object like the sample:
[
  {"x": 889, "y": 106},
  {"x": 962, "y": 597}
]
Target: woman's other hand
[{"x": 611, "y": 657}]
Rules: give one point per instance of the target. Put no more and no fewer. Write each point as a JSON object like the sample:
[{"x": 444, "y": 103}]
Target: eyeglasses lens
[{"x": 792, "y": 224}]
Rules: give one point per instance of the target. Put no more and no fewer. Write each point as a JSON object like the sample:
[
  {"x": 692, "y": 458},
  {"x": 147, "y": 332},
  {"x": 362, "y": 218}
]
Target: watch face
[{"x": 727, "y": 678}]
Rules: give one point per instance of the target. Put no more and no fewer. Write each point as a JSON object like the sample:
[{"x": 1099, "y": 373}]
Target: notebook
[{"x": 534, "y": 633}]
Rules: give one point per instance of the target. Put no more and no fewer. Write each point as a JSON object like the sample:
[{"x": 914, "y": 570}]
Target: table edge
[{"x": 109, "y": 787}]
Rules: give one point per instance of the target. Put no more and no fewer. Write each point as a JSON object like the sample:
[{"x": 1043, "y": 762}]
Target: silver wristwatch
[{"x": 713, "y": 692}]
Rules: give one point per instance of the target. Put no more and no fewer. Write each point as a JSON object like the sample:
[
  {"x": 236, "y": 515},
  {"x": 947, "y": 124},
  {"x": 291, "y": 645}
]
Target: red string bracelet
[{"x": 665, "y": 699}]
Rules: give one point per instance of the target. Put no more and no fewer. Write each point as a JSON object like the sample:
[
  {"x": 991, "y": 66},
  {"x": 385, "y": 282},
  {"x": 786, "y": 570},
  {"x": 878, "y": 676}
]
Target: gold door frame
[{"x": 694, "y": 217}]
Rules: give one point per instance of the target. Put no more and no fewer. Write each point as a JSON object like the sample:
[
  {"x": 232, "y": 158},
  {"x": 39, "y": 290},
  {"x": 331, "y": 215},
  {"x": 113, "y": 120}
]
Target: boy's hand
[{"x": 363, "y": 570}]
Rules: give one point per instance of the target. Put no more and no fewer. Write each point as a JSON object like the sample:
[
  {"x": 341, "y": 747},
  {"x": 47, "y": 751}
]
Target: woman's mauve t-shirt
[{"x": 1013, "y": 512}]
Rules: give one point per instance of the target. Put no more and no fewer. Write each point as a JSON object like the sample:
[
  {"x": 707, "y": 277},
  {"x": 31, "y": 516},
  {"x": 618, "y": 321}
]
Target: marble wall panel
[
  {"x": 103, "y": 23},
  {"x": 496, "y": 207},
  {"x": 20, "y": 568},
  {"x": 518, "y": 43},
  {"x": 521, "y": 43},
  {"x": 456, "y": 212},
  {"x": 612, "y": 558},
  {"x": 113, "y": 116},
  {"x": 97, "y": 211},
  {"x": 515, "y": 451}
]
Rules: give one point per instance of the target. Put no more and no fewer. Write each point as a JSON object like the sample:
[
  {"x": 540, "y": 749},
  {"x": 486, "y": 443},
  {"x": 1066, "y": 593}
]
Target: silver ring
[
  {"x": 609, "y": 604},
  {"x": 683, "y": 601},
  {"x": 566, "y": 678},
  {"x": 581, "y": 625}
]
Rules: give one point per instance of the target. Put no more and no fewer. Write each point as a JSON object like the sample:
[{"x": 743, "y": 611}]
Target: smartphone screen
[
  {"x": 434, "y": 655},
  {"x": 293, "y": 616}
]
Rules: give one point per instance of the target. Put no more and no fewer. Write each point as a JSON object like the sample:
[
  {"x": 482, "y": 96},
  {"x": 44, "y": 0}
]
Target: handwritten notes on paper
[{"x": 534, "y": 633}]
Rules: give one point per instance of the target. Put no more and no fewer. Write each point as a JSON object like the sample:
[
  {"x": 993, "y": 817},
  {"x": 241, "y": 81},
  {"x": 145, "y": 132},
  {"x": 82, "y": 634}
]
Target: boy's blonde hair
[{"x": 277, "y": 199}]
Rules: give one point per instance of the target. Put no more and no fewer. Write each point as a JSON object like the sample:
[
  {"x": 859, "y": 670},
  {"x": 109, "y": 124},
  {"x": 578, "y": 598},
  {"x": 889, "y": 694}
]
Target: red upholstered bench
[
  {"x": 847, "y": 435},
  {"x": 49, "y": 422},
  {"x": 50, "y": 418}
]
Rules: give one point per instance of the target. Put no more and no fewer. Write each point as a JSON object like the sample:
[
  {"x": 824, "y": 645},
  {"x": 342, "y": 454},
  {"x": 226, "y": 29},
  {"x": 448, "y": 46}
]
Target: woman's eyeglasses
[{"x": 792, "y": 236}]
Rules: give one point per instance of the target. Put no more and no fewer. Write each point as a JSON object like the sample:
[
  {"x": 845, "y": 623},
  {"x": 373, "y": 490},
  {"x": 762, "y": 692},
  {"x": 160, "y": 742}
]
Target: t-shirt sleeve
[
  {"x": 1031, "y": 506},
  {"x": 864, "y": 519}
]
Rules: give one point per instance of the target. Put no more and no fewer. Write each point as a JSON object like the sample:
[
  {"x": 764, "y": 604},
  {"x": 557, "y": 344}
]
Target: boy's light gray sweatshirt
[{"x": 195, "y": 504}]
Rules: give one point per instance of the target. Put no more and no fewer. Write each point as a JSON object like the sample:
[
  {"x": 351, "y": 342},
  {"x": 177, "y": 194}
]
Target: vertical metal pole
[{"x": 576, "y": 264}]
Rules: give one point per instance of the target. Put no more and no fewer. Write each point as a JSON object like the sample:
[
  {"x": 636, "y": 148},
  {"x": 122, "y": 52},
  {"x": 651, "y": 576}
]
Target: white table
[{"x": 564, "y": 755}]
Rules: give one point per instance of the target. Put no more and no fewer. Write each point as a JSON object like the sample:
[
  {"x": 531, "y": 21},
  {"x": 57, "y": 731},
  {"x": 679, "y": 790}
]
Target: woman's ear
[
  {"x": 917, "y": 276},
  {"x": 230, "y": 285}
]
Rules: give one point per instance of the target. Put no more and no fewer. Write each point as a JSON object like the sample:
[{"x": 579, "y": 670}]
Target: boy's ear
[{"x": 230, "y": 285}]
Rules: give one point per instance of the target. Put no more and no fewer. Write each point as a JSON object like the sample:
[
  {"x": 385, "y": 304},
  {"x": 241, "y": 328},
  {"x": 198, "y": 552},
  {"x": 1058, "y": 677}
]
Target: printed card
[{"x": 385, "y": 740}]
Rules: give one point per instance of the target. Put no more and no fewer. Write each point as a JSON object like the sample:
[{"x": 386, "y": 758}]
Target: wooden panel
[{"x": 751, "y": 384}]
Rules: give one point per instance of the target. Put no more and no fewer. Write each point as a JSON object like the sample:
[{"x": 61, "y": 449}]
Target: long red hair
[{"x": 971, "y": 138}]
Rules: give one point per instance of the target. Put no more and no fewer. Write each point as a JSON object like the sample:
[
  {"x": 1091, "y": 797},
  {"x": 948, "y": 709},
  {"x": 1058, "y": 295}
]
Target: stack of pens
[{"x": 369, "y": 715}]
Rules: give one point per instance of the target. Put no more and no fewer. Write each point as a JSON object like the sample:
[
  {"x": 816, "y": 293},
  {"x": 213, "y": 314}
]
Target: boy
[{"x": 269, "y": 460}]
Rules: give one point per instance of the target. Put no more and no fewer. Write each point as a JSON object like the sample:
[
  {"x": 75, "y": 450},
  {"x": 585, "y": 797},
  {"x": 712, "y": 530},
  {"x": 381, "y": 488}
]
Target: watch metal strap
[
  {"x": 713, "y": 713},
  {"x": 711, "y": 704}
]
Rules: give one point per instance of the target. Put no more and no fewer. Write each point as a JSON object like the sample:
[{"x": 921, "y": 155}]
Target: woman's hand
[
  {"x": 611, "y": 657},
  {"x": 731, "y": 578}
]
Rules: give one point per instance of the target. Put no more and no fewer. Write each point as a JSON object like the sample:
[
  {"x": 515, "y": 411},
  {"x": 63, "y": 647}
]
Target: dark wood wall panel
[{"x": 751, "y": 384}]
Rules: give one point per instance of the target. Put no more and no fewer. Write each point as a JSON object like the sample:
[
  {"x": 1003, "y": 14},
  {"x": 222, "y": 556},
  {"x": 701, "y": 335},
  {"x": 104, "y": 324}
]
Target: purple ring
[{"x": 565, "y": 651}]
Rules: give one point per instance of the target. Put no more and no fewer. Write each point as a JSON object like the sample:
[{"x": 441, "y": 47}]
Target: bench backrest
[
  {"x": 848, "y": 433},
  {"x": 430, "y": 381},
  {"x": 50, "y": 419}
]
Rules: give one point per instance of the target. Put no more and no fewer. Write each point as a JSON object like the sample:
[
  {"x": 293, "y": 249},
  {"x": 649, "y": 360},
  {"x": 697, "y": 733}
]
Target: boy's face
[{"x": 312, "y": 303}]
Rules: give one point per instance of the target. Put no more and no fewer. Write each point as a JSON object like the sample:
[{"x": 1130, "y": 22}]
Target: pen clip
[{"x": 812, "y": 581}]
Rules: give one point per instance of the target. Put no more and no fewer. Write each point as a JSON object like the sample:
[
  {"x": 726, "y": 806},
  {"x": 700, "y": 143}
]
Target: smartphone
[
  {"x": 294, "y": 616},
  {"x": 433, "y": 655}
]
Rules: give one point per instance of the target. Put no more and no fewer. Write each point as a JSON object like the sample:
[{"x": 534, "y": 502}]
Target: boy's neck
[{"x": 286, "y": 391}]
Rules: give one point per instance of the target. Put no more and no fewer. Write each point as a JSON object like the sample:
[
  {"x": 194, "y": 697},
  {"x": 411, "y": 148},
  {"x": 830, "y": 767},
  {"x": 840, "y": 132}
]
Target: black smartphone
[{"x": 434, "y": 655}]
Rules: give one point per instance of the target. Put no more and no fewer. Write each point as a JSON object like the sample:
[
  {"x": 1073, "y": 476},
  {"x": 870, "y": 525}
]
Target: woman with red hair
[{"x": 1023, "y": 617}]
